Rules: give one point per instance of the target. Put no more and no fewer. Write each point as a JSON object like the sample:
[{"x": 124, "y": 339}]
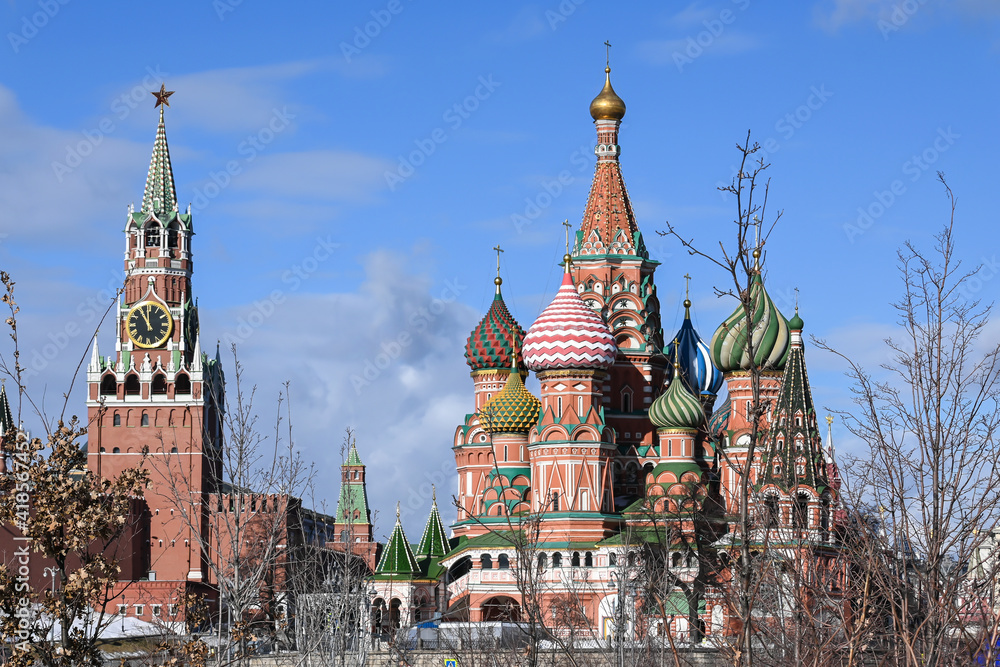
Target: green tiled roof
[
  {"x": 397, "y": 558},
  {"x": 434, "y": 542},
  {"x": 352, "y": 457},
  {"x": 160, "y": 195}
]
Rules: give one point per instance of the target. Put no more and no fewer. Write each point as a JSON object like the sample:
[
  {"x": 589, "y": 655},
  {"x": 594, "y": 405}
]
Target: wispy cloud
[{"x": 664, "y": 51}]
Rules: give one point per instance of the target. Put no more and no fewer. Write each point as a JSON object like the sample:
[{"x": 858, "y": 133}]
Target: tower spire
[{"x": 160, "y": 196}]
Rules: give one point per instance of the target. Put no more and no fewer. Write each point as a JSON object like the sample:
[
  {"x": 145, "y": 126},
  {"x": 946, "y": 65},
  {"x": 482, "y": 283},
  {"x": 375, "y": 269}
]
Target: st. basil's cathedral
[{"x": 624, "y": 448}]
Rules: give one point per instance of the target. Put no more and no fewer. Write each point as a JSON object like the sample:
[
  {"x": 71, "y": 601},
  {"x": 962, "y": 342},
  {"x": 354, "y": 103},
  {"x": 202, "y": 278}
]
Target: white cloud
[
  {"x": 320, "y": 174},
  {"x": 666, "y": 51},
  {"x": 386, "y": 359}
]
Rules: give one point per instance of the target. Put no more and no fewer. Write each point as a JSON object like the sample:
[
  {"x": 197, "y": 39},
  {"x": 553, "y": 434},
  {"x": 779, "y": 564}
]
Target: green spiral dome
[
  {"x": 769, "y": 335},
  {"x": 676, "y": 408}
]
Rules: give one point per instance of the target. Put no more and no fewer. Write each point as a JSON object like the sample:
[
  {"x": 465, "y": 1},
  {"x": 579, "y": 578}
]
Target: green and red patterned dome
[
  {"x": 495, "y": 338},
  {"x": 513, "y": 410}
]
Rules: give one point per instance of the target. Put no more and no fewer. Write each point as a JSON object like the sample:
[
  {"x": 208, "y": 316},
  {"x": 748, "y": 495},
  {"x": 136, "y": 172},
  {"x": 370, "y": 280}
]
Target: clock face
[{"x": 149, "y": 324}]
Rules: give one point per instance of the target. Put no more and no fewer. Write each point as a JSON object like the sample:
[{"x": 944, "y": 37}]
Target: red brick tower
[
  {"x": 614, "y": 275},
  {"x": 159, "y": 393}
]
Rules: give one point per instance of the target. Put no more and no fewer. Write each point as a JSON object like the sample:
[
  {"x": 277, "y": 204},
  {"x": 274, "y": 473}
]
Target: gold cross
[
  {"x": 567, "y": 226},
  {"x": 687, "y": 286},
  {"x": 161, "y": 95},
  {"x": 796, "y": 300},
  {"x": 607, "y": 50},
  {"x": 499, "y": 250}
]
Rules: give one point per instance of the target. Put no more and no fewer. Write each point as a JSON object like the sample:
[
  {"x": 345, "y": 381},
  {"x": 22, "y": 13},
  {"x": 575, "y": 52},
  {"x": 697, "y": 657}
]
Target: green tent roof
[{"x": 397, "y": 558}]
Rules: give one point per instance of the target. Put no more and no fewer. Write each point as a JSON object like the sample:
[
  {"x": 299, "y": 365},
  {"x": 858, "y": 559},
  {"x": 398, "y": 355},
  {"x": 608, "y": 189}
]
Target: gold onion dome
[
  {"x": 676, "y": 408},
  {"x": 513, "y": 410},
  {"x": 607, "y": 105}
]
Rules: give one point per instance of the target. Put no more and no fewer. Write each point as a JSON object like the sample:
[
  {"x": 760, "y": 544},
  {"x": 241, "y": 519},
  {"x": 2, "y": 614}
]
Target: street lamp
[{"x": 626, "y": 590}]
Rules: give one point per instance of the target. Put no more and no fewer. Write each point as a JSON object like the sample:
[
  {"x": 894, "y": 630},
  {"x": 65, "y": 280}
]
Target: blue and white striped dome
[{"x": 698, "y": 373}]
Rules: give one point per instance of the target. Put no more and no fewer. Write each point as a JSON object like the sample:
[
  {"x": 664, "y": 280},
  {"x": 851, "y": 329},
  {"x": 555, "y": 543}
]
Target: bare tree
[
  {"x": 740, "y": 263},
  {"x": 930, "y": 419}
]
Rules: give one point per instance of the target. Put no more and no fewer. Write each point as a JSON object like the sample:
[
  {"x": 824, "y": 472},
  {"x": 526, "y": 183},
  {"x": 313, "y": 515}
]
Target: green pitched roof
[
  {"x": 6, "y": 419},
  {"x": 352, "y": 498},
  {"x": 352, "y": 457},
  {"x": 434, "y": 542},
  {"x": 160, "y": 195},
  {"x": 794, "y": 443},
  {"x": 397, "y": 558}
]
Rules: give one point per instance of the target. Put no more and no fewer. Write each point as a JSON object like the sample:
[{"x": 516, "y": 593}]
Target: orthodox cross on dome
[
  {"x": 499, "y": 250},
  {"x": 607, "y": 51},
  {"x": 796, "y": 300},
  {"x": 565, "y": 223},
  {"x": 162, "y": 95},
  {"x": 687, "y": 287}
]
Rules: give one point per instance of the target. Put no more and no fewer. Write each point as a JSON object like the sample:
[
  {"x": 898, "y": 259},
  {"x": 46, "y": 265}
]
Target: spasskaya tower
[{"x": 159, "y": 393}]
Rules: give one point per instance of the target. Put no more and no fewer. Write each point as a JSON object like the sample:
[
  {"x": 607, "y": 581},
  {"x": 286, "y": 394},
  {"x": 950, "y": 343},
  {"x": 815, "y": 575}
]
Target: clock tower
[{"x": 158, "y": 400}]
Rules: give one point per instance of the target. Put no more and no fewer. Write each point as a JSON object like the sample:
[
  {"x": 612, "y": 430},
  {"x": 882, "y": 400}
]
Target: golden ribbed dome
[{"x": 607, "y": 105}]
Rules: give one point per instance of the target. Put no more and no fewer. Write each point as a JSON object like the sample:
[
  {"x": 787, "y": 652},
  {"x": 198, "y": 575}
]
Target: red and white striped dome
[{"x": 568, "y": 334}]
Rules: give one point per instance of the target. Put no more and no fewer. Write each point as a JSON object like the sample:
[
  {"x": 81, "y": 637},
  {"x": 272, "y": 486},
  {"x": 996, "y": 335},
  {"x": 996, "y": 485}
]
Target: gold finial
[
  {"x": 161, "y": 96},
  {"x": 829, "y": 420},
  {"x": 687, "y": 290},
  {"x": 397, "y": 511},
  {"x": 434, "y": 495},
  {"x": 796, "y": 300},
  {"x": 677, "y": 345},
  {"x": 607, "y": 105},
  {"x": 498, "y": 280},
  {"x": 567, "y": 258}
]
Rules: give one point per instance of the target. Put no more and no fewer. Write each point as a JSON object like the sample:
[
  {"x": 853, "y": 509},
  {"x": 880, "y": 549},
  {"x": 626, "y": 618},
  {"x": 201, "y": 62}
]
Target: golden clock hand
[{"x": 145, "y": 316}]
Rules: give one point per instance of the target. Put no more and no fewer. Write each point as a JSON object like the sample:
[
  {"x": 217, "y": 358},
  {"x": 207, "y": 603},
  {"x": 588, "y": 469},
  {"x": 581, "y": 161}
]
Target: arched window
[
  {"x": 542, "y": 562},
  {"x": 825, "y": 515},
  {"x": 613, "y": 559},
  {"x": 574, "y": 560},
  {"x": 109, "y": 385},
  {"x": 159, "y": 383},
  {"x": 182, "y": 384},
  {"x": 626, "y": 400},
  {"x": 145, "y": 420},
  {"x": 770, "y": 512},
  {"x": 486, "y": 562},
  {"x": 152, "y": 235},
  {"x": 131, "y": 384},
  {"x": 172, "y": 236},
  {"x": 503, "y": 562},
  {"x": 555, "y": 501},
  {"x": 557, "y": 559},
  {"x": 675, "y": 559},
  {"x": 117, "y": 420},
  {"x": 588, "y": 559},
  {"x": 116, "y": 450},
  {"x": 801, "y": 512}
]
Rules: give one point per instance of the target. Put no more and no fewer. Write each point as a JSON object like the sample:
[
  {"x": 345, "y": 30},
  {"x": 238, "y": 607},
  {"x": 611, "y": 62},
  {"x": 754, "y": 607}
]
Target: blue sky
[{"x": 351, "y": 168}]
